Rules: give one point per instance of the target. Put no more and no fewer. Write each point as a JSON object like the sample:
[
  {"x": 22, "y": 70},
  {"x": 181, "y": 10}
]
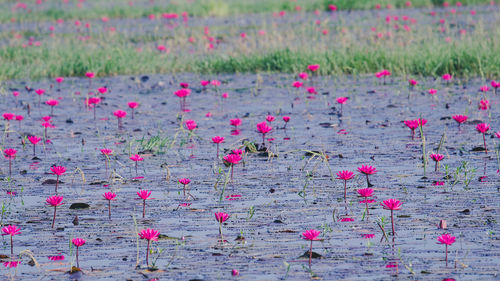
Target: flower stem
[
  {"x": 446, "y": 258},
  {"x": 144, "y": 208},
  {"x": 57, "y": 182},
  {"x": 310, "y": 253},
  {"x": 54, "y": 218},
  {"x": 147, "y": 254},
  {"x": 392, "y": 220},
  {"x": 484, "y": 140},
  {"x": 77, "y": 262},
  {"x": 345, "y": 190}
]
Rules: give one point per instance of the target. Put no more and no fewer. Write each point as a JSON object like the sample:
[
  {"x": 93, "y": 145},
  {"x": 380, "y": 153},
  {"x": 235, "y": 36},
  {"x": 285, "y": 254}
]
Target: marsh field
[{"x": 249, "y": 140}]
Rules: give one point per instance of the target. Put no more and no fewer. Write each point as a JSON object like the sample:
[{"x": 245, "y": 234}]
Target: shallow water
[{"x": 284, "y": 200}]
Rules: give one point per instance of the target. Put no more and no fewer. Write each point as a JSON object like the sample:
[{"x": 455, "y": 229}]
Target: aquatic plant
[
  {"x": 110, "y": 196},
  {"x": 10, "y": 154},
  {"x": 58, "y": 171},
  {"x": 150, "y": 235},
  {"x": 221, "y": 217},
  {"x": 311, "y": 235},
  {"x": 345, "y": 176},
  {"x": 11, "y": 230},
  {"x": 392, "y": 205},
  {"x": 483, "y": 128},
  {"x": 367, "y": 170},
  {"x": 78, "y": 242},
  {"x": 447, "y": 240},
  {"x": 144, "y": 195},
  {"x": 54, "y": 201}
]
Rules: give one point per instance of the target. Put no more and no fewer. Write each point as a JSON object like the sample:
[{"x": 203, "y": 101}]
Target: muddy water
[{"x": 284, "y": 199}]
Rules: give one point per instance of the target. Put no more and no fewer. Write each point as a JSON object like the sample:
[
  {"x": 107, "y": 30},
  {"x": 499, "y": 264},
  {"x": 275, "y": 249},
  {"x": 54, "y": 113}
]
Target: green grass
[
  {"x": 466, "y": 59},
  {"x": 120, "y": 9}
]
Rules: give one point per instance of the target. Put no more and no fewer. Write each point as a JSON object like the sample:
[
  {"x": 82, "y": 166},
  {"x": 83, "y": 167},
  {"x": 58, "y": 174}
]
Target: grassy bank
[
  {"x": 466, "y": 59},
  {"x": 52, "y": 9}
]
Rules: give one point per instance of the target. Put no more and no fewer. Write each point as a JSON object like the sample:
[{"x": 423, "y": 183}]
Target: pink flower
[
  {"x": 54, "y": 201},
  {"x": 191, "y": 125},
  {"x": 313, "y": 67},
  {"x": 345, "y": 175},
  {"x": 303, "y": 76},
  {"x": 183, "y": 92},
  {"x": 19, "y": 118},
  {"x": 297, "y": 84},
  {"x": 215, "y": 83},
  {"x": 221, "y": 217},
  {"x": 78, "y": 242},
  {"x": 421, "y": 121},
  {"x": 368, "y": 236},
  {"x": 432, "y": 91},
  {"x": 391, "y": 204},
  {"x": 136, "y": 158},
  {"x": 237, "y": 151},
  {"x": 10, "y": 153},
  {"x": 286, "y": 119},
  {"x": 102, "y": 90},
  {"x": 144, "y": 194},
  {"x": 184, "y": 181},
  {"x": 149, "y": 234},
  {"x": 120, "y": 114},
  {"x": 56, "y": 258},
  {"x": 232, "y": 159},
  {"x": 446, "y": 239},
  {"x": 367, "y": 170},
  {"x": 460, "y": 118},
  {"x": 184, "y": 85},
  {"x": 446, "y": 77},
  {"x": 11, "y": 230},
  {"x": 436, "y": 157},
  {"x": 225, "y": 95},
  {"x": 204, "y": 82},
  {"x": 270, "y": 118},
  {"x": 34, "y": 139},
  {"x": 346, "y": 219},
  {"x": 90, "y": 75},
  {"x": 94, "y": 100},
  {"x": 365, "y": 192},
  {"x": 217, "y": 139},
  {"x": 263, "y": 128},
  {"x": 16, "y": 93},
  {"x": 484, "y": 104},
  {"x": 11, "y": 264},
  {"x": 39, "y": 91},
  {"x": 412, "y": 124},
  {"x": 8, "y": 116},
  {"x": 235, "y": 122},
  {"x": 109, "y": 196},
  {"x": 58, "y": 170},
  {"x": 482, "y": 127},
  {"x": 484, "y": 89},
  {"x": 311, "y": 235},
  {"x": 133, "y": 104},
  {"x": 52, "y": 102},
  {"x": 106, "y": 151},
  {"x": 342, "y": 100}
]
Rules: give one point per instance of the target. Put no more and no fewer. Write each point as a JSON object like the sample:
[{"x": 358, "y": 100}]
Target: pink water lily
[{"x": 311, "y": 235}]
